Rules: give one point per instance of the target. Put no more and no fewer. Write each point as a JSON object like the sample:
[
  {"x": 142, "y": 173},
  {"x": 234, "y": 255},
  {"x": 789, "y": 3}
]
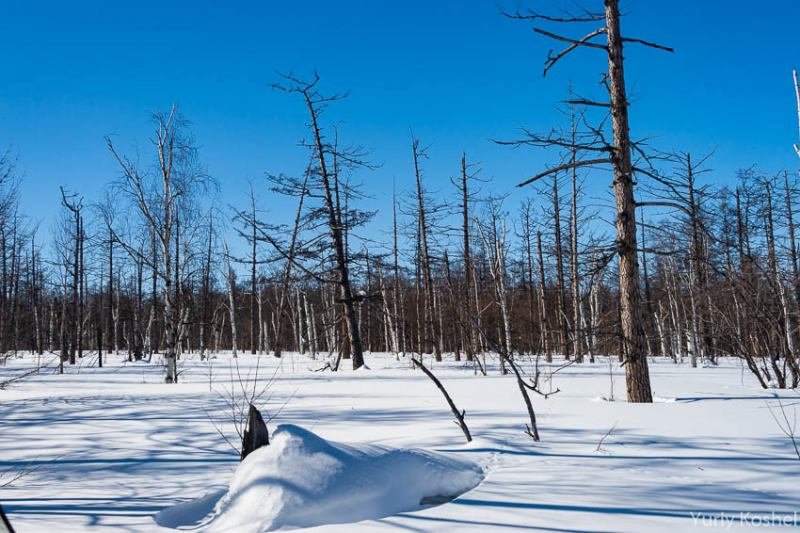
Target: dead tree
[
  {"x": 559, "y": 256},
  {"x": 425, "y": 255},
  {"x": 465, "y": 197},
  {"x": 399, "y": 308},
  {"x": 206, "y": 290},
  {"x": 112, "y": 329},
  {"x": 618, "y": 155},
  {"x": 230, "y": 281},
  {"x": 575, "y": 282},
  {"x": 250, "y": 232},
  {"x": 75, "y": 206},
  {"x": 323, "y": 151},
  {"x": 494, "y": 241}
]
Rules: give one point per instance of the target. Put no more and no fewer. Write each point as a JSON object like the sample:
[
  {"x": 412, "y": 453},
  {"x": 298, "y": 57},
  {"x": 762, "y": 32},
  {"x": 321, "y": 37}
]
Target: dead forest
[{"x": 675, "y": 262}]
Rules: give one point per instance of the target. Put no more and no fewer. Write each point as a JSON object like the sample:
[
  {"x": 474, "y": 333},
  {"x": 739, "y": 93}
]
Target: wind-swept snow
[{"x": 302, "y": 480}]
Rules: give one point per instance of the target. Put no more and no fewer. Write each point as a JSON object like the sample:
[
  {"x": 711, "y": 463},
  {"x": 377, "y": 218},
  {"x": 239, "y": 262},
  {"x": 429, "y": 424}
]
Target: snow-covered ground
[{"x": 108, "y": 449}]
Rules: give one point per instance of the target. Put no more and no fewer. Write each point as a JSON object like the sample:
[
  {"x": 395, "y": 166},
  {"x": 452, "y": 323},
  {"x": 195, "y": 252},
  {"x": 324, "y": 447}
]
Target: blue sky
[{"x": 455, "y": 71}]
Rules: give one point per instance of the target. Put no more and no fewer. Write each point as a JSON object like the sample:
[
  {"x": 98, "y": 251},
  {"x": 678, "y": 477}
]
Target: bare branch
[
  {"x": 664, "y": 204},
  {"x": 586, "y": 102},
  {"x": 573, "y": 41},
  {"x": 551, "y": 60},
  {"x": 646, "y": 43},
  {"x": 566, "y": 166},
  {"x": 528, "y": 14}
]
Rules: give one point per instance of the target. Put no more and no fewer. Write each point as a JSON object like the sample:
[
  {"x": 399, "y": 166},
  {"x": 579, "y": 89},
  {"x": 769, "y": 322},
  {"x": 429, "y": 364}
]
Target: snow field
[{"x": 109, "y": 449}]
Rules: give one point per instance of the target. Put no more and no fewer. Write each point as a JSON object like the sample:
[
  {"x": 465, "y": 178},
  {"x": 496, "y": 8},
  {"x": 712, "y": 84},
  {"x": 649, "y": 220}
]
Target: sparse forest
[{"x": 147, "y": 269}]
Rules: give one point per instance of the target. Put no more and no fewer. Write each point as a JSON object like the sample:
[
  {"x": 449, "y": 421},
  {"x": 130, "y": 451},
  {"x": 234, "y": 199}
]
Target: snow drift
[{"x": 302, "y": 480}]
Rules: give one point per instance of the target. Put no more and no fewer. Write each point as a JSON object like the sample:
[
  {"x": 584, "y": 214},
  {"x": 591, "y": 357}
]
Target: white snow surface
[
  {"x": 302, "y": 480},
  {"x": 112, "y": 449}
]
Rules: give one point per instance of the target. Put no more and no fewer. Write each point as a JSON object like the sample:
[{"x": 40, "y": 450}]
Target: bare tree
[
  {"x": 494, "y": 241},
  {"x": 618, "y": 155},
  {"x": 316, "y": 104},
  {"x": 466, "y": 196},
  {"x": 155, "y": 196},
  {"x": 75, "y": 205},
  {"x": 425, "y": 255},
  {"x": 230, "y": 281}
]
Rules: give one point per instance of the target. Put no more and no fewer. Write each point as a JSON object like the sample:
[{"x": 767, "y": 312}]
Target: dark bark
[{"x": 256, "y": 435}]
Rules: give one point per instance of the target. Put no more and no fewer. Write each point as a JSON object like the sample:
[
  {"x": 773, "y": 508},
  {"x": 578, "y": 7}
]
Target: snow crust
[{"x": 302, "y": 480}]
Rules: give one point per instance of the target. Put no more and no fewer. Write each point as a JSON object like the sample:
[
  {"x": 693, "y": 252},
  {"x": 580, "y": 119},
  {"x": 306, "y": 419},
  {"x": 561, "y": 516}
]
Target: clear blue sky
[{"x": 459, "y": 73}]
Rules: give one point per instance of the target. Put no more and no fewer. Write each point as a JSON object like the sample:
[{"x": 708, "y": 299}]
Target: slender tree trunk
[
  {"x": 562, "y": 306},
  {"x": 310, "y": 329},
  {"x": 577, "y": 339},
  {"x": 231, "y": 300},
  {"x": 398, "y": 313},
  {"x": 425, "y": 257},
  {"x": 469, "y": 333},
  {"x": 253, "y": 313},
  {"x": 391, "y": 329},
  {"x": 81, "y": 280},
  {"x": 75, "y": 290},
  {"x": 544, "y": 317},
  {"x": 287, "y": 270}
]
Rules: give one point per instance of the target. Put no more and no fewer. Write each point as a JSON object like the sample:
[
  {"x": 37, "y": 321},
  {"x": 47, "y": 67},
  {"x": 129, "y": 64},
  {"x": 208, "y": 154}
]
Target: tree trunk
[
  {"x": 544, "y": 317},
  {"x": 637, "y": 375},
  {"x": 425, "y": 257},
  {"x": 231, "y": 301}
]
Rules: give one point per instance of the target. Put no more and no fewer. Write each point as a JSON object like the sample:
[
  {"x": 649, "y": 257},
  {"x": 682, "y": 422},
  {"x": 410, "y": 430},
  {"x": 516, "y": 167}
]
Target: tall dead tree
[
  {"x": 494, "y": 241},
  {"x": 230, "y": 281},
  {"x": 75, "y": 206},
  {"x": 558, "y": 247},
  {"x": 575, "y": 282},
  {"x": 205, "y": 317},
  {"x": 253, "y": 262},
  {"x": 425, "y": 256},
  {"x": 111, "y": 334},
  {"x": 316, "y": 103},
  {"x": 618, "y": 156},
  {"x": 466, "y": 197},
  {"x": 249, "y": 221},
  {"x": 399, "y": 308}
]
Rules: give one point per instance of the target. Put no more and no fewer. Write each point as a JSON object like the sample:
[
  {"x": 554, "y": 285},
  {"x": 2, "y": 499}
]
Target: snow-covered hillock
[{"x": 302, "y": 480}]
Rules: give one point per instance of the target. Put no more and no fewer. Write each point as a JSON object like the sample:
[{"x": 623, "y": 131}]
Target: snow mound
[{"x": 302, "y": 480}]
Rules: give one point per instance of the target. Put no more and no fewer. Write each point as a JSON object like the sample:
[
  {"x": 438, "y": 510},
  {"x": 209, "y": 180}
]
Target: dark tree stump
[{"x": 256, "y": 434}]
